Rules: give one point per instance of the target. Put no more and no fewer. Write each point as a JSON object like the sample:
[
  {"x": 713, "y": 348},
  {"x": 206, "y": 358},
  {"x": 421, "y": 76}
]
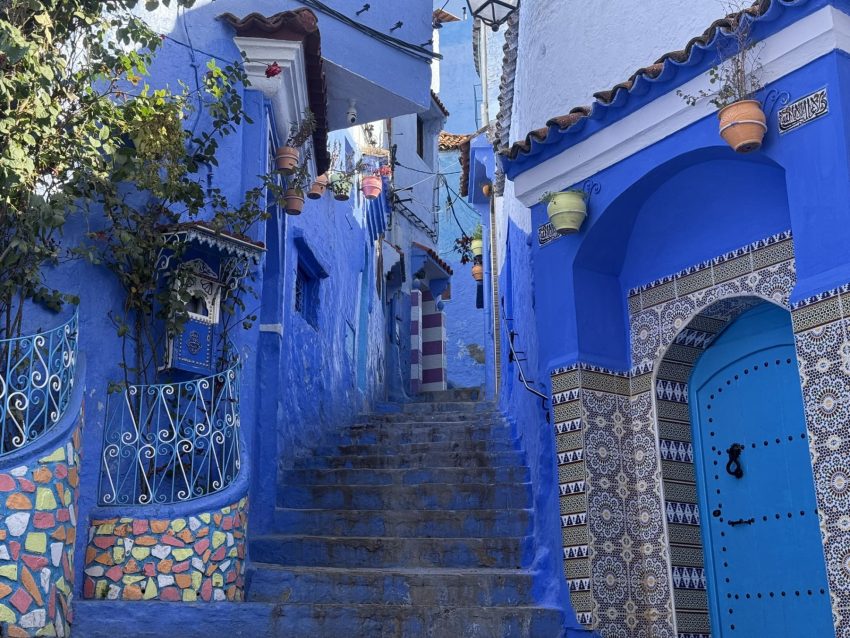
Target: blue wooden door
[{"x": 764, "y": 556}]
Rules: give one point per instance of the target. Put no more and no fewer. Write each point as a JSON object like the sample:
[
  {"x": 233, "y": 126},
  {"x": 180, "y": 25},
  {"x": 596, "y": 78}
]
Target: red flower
[{"x": 273, "y": 69}]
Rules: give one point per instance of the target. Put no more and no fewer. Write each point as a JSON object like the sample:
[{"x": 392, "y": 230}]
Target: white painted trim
[
  {"x": 797, "y": 45},
  {"x": 276, "y": 328},
  {"x": 288, "y": 90}
]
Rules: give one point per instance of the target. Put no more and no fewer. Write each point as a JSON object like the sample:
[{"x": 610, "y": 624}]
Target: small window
[
  {"x": 420, "y": 137},
  {"x": 307, "y": 297}
]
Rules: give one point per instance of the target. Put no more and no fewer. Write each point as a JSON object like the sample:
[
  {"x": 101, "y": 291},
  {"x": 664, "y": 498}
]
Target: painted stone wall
[
  {"x": 199, "y": 557},
  {"x": 38, "y": 528},
  {"x": 625, "y": 463}
]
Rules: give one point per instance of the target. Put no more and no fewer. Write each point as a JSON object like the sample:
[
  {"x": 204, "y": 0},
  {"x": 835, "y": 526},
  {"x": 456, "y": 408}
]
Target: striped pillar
[
  {"x": 433, "y": 345},
  {"x": 415, "y": 341}
]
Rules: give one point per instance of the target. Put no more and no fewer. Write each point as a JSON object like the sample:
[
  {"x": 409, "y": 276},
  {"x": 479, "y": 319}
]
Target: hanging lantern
[{"x": 493, "y": 13}]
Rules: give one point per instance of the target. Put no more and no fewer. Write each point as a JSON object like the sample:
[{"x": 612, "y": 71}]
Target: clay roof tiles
[
  {"x": 439, "y": 103},
  {"x": 651, "y": 72},
  {"x": 300, "y": 25}
]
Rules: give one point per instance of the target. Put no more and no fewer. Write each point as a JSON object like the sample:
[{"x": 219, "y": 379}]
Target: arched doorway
[{"x": 764, "y": 564}]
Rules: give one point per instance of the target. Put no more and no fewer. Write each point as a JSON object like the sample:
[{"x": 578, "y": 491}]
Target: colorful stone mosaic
[
  {"x": 193, "y": 558},
  {"x": 38, "y": 529},
  {"x": 632, "y": 549}
]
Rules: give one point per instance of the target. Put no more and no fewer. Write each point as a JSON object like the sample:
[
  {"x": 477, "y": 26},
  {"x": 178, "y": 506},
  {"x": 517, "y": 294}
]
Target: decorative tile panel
[{"x": 640, "y": 503}]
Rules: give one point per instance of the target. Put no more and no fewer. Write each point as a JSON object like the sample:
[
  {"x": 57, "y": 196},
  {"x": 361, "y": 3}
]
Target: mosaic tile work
[
  {"x": 638, "y": 502},
  {"x": 823, "y": 353},
  {"x": 569, "y": 441},
  {"x": 194, "y": 558},
  {"x": 37, "y": 534}
]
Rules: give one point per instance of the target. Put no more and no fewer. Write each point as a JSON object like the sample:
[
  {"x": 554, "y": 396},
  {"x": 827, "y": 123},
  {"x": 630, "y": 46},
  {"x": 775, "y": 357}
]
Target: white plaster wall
[{"x": 570, "y": 49}]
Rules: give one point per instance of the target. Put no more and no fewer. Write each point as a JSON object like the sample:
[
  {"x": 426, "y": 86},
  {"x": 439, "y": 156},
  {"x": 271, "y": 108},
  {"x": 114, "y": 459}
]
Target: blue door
[{"x": 764, "y": 556}]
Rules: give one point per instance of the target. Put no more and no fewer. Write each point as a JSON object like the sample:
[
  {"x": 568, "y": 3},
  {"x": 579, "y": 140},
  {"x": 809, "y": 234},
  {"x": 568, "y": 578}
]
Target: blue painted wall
[
  {"x": 460, "y": 86},
  {"x": 465, "y": 322},
  {"x": 298, "y": 380}
]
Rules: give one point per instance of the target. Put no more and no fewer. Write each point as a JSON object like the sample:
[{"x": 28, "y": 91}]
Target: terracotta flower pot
[
  {"x": 743, "y": 125},
  {"x": 487, "y": 189},
  {"x": 477, "y": 247},
  {"x": 371, "y": 185},
  {"x": 286, "y": 159},
  {"x": 567, "y": 211},
  {"x": 319, "y": 187},
  {"x": 294, "y": 201},
  {"x": 478, "y": 272}
]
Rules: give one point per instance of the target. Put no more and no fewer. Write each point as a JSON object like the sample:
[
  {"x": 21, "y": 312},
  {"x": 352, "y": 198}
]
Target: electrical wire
[
  {"x": 411, "y": 49},
  {"x": 190, "y": 47}
]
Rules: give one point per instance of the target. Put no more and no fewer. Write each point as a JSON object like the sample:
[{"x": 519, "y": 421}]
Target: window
[
  {"x": 420, "y": 137},
  {"x": 307, "y": 296}
]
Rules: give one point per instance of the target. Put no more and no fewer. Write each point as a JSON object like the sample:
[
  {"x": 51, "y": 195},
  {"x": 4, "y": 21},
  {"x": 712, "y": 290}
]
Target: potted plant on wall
[
  {"x": 343, "y": 170},
  {"x": 287, "y": 156},
  {"x": 372, "y": 183},
  {"x": 319, "y": 186},
  {"x": 742, "y": 120},
  {"x": 296, "y": 183},
  {"x": 477, "y": 243},
  {"x": 567, "y": 210},
  {"x": 478, "y": 269}
]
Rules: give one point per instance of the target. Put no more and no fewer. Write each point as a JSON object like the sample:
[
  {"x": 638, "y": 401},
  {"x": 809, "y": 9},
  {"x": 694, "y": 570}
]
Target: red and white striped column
[
  {"x": 433, "y": 343},
  {"x": 415, "y": 341}
]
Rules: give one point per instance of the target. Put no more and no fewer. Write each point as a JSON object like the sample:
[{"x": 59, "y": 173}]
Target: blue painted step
[
  {"x": 371, "y": 476},
  {"x": 432, "y": 496},
  {"x": 345, "y": 449},
  {"x": 435, "y": 435},
  {"x": 407, "y": 523},
  {"x": 390, "y": 586},
  {"x": 360, "y": 457},
  {"x": 383, "y": 551}
]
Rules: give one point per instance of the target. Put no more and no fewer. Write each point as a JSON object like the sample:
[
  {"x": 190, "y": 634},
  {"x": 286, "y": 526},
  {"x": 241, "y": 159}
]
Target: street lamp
[{"x": 492, "y": 12}]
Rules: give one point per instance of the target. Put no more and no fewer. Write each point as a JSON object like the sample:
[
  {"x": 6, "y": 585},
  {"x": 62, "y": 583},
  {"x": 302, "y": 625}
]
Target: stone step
[
  {"x": 440, "y": 496},
  {"x": 421, "y": 435},
  {"x": 415, "y": 449},
  {"x": 402, "y": 424},
  {"x": 432, "y": 407},
  {"x": 388, "y": 551},
  {"x": 404, "y": 523},
  {"x": 390, "y": 586},
  {"x": 504, "y": 474},
  {"x": 431, "y": 417},
  {"x": 364, "y": 457},
  {"x": 107, "y": 619},
  {"x": 454, "y": 394}
]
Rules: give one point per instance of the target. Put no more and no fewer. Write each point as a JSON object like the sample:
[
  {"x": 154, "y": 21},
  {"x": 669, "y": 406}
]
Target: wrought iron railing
[
  {"x": 36, "y": 379},
  {"x": 171, "y": 442},
  {"x": 515, "y": 358}
]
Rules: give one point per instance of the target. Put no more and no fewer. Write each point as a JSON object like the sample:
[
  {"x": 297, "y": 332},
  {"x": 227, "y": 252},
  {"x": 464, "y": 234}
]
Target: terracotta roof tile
[
  {"x": 433, "y": 255},
  {"x": 450, "y": 141},
  {"x": 725, "y": 24},
  {"x": 300, "y": 25},
  {"x": 439, "y": 103}
]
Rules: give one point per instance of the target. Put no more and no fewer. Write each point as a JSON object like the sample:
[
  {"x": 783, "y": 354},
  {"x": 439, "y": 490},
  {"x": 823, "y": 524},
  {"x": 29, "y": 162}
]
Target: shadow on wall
[{"x": 683, "y": 212}]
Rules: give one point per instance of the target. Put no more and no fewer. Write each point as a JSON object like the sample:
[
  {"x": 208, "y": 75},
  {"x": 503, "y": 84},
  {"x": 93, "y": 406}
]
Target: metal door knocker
[{"x": 733, "y": 467}]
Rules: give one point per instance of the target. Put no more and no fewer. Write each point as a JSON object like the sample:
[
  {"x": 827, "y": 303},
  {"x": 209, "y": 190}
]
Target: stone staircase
[{"x": 411, "y": 523}]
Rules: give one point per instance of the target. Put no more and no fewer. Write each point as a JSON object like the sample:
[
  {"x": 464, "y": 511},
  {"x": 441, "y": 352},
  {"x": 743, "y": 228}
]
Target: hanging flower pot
[
  {"x": 477, "y": 247},
  {"x": 286, "y": 159},
  {"x": 319, "y": 187},
  {"x": 487, "y": 189},
  {"x": 566, "y": 210},
  {"x": 743, "y": 125},
  {"x": 371, "y": 185},
  {"x": 341, "y": 186},
  {"x": 294, "y": 201},
  {"x": 478, "y": 272}
]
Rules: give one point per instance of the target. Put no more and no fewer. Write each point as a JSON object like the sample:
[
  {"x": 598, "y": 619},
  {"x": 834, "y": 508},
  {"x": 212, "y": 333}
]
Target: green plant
[
  {"x": 478, "y": 233},
  {"x": 737, "y": 75},
  {"x": 300, "y": 132},
  {"x": 343, "y": 169},
  {"x": 64, "y": 67},
  {"x": 548, "y": 197},
  {"x": 300, "y": 178}
]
